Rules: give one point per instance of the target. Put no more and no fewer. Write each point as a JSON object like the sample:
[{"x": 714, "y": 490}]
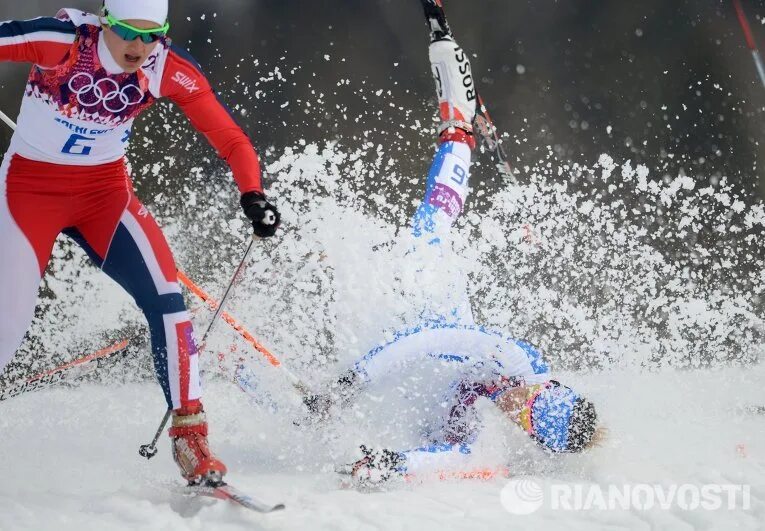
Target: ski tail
[{"x": 436, "y": 20}]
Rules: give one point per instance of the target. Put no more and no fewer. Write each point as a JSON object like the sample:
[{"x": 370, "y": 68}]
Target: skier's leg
[
  {"x": 138, "y": 257},
  {"x": 30, "y": 220},
  {"x": 447, "y": 185},
  {"x": 133, "y": 251},
  {"x": 445, "y": 192}
]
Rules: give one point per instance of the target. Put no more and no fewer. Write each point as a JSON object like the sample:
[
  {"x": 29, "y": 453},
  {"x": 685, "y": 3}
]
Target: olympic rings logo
[{"x": 107, "y": 91}]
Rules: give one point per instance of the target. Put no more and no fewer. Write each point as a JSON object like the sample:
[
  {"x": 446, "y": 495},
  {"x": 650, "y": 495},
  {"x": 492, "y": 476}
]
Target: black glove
[{"x": 264, "y": 216}]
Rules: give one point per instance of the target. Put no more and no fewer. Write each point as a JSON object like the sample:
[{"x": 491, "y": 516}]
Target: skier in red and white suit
[{"x": 65, "y": 171}]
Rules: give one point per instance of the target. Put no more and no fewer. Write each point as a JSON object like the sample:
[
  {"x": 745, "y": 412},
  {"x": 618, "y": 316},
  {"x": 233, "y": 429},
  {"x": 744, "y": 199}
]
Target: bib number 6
[{"x": 77, "y": 145}]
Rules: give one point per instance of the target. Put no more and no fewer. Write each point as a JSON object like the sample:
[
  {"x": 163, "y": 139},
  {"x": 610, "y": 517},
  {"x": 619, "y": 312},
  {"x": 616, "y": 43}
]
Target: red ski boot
[{"x": 191, "y": 451}]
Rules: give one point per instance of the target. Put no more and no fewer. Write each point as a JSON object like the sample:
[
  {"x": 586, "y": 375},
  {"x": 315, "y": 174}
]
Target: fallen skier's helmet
[{"x": 559, "y": 418}]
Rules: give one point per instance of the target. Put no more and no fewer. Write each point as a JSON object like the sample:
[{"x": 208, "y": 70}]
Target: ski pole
[
  {"x": 236, "y": 276},
  {"x": 298, "y": 384},
  {"x": 150, "y": 450},
  {"x": 10, "y": 123},
  {"x": 227, "y": 317},
  {"x": 750, "y": 40},
  {"x": 73, "y": 370}
]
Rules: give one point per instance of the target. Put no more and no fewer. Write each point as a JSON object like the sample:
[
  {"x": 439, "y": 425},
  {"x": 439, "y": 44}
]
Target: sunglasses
[
  {"x": 527, "y": 423},
  {"x": 129, "y": 33}
]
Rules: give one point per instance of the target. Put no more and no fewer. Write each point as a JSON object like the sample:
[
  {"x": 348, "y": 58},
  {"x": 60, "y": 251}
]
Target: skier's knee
[{"x": 160, "y": 305}]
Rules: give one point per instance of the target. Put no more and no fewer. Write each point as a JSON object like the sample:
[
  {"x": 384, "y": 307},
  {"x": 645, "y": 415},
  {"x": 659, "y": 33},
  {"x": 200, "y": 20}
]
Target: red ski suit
[{"x": 65, "y": 172}]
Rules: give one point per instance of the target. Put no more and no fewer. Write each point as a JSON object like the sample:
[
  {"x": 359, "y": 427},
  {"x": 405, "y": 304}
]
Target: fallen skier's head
[{"x": 559, "y": 418}]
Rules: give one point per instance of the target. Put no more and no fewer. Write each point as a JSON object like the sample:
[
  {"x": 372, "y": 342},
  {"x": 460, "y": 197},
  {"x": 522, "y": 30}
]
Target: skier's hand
[{"x": 264, "y": 216}]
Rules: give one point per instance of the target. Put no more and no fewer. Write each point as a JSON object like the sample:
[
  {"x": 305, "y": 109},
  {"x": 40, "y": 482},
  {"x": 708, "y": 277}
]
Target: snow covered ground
[
  {"x": 590, "y": 286},
  {"x": 70, "y": 462}
]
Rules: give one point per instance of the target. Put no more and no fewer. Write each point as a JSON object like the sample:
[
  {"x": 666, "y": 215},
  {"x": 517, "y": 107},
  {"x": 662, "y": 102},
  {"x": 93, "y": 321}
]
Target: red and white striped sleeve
[
  {"x": 185, "y": 84},
  {"x": 42, "y": 41}
]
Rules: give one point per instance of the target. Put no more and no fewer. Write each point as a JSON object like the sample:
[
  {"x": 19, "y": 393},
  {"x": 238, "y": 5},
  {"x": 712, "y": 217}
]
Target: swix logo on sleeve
[{"x": 186, "y": 82}]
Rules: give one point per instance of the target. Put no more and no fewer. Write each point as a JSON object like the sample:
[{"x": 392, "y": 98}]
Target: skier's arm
[
  {"x": 185, "y": 84},
  {"x": 445, "y": 459},
  {"x": 42, "y": 41}
]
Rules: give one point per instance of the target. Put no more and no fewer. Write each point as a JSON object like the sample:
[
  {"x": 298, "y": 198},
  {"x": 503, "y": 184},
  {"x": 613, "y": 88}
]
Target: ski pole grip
[
  {"x": 147, "y": 451},
  {"x": 269, "y": 218}
]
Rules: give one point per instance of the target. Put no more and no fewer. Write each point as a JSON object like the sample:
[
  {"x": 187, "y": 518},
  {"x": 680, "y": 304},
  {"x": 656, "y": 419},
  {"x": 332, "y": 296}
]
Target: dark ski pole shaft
[
  {"x": 150, "y": 450},
  {"x": 439, "y": 28},
  {"x": 234, "y": 279},
  {"x": 751, "y": 44}
]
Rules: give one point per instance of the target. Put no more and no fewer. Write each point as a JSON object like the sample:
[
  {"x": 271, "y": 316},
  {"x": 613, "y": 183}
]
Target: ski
[
  {"x": 483, "y": 124},
  {"x": 481, "y": 474},
  {"x": 224, "y": 491},
  {"x": 348, "y": 482},
  {"x": 67, "y": 372}
]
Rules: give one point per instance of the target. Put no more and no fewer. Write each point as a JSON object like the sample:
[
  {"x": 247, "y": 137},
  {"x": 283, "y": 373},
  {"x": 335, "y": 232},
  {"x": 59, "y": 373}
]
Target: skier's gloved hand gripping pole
[
  {"x": 483, "y": 124},
  {"x": 265, "y": 220}
]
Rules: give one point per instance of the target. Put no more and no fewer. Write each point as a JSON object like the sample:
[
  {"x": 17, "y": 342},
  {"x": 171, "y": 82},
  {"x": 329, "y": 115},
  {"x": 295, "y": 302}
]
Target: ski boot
[
  {"x": 375, "y": 469},
  {"x": 191, "y": 450},
  {"x": 457, "y": 96}
]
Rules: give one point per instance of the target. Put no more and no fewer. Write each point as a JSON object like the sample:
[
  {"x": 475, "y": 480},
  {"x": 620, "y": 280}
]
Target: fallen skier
[{"x": 429, "y": 379}]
